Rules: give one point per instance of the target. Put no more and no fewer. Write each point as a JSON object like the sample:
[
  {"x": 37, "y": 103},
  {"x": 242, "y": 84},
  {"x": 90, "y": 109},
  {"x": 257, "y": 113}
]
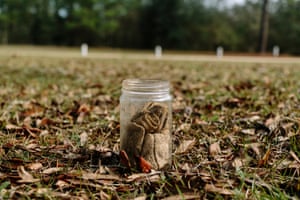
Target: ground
[{"x": 236, "y": 125}]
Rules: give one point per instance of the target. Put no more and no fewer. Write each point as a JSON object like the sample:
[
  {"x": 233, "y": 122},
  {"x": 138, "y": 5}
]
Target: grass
[{"x": 49, "y": 105}]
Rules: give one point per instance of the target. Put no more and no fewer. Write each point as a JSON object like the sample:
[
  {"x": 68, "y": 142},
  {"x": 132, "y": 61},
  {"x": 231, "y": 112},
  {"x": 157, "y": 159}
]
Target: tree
[
  {"x": 15, "y": 19},
  {"x": 174, "y": 24},
  {"x": 285, "y": 26},
  {"x": 161, "y": 23},
  {"x": 264, "y": 26},
  {"x": 244, "y": 19},
  {"x": 41, "y": 28},
  {"x": 4, "y": 23}
]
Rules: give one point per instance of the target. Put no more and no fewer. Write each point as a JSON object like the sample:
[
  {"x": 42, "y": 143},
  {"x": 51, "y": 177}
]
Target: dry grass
[{"x": 235, "y": 127}]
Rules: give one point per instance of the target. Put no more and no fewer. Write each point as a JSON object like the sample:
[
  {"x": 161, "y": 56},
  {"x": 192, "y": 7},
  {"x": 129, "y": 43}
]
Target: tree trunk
[
  {"x": 4, "y": 35},
  {"x": 264, "y": 27}
]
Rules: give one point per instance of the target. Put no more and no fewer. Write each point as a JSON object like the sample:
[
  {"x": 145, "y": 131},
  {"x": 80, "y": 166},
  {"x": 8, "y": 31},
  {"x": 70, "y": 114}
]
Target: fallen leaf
[
  {"x": 294, "y": 165},
  {"x": 232, "y": 102},
  {"x": 185, "y": 145},
  {"x": 80, "y": 183},
  {"x": 52, "y": 170},
  {"x": 214, "y": 149},
  {"x": 144, "y": 165},
  {"x": 45, "y": 122},
  {"x": 32, "y": 131},
  {"x": 186, "y": 196},
  {"x": 82, "y": 111},
  {"x": 213, "y": 189},
  {"x": 42, "y": 191},
  {"x": 13, "y": 163},
  {"x": 248, "y": 131},
  {"x": 151, "y": 177},
  {"x": 254, "y": 118},
  {"x": 96, "y": 176},
  {"x": 25, "y": 176},
  {"x": 32, "y": 146},
  {"x": 104, "y": 195},
  {"x": 292, "y": 153},
  {"x": 62, "y": 184},
  {"x": 84, "y": 108},
  {"x": 34, "y": 166},
  {"x": 187, "y": 167},
  {"x": 33, "y": 109},
  {"x": 237, "y": 163},
  {"x": 205, "y": 176},
  {"x": 2, "y": 176},
  {"x": 83, "y": 138},
  {"x": 255, "y": 148},
  {"x": 80, "y": 117},
  {"x": 183, "y": 127},
  {"x": 262, "y": 162},
  {"x": 12, "y": 127},
  {"x": 124, "y": 160}
]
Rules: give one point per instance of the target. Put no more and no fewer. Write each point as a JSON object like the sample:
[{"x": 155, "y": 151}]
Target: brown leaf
[
  {"x": 52, "y": 170},
  {"x": 185, "y": 145},
  {"x": 34, "y": 166},
  {"x": 214, "y": 189},
  {"x": 104, "y": 195},
  {"x": 183, "y": 127},
  {"x": 2, "y": 176},
  {"x": 152, "y": 177},
  {"x": 214, "y": 149},
  {"x": 124, "y": 159},
  {"x": 143, "y": 197},
  {"x": 255, "y": 148},
  {"x": 237, "y": 163},
  {"x": 31, "y": 131},
  {"x": 292, "y": 153},
  {"x": 80, "y": 117},
  {"x": 45, "y": 122},
  {"x": 62, "y": 184},
  {"x": 262, "y": 162},
  {"x": 83, "y": 138},
  {"x": 232, "y": 102},
  {"x": 25, "y": 176},
  {"x": 294, "y": 165},
  {"x": 81, "y": 183},
  {"x": 12, "y": 163},
  {"x": 83, "y": 108},
  {"x": 96, "y": 176},
  {"x": 32, "y": 109},
  {"x": 248, "y": 131},
  {"x": 41, "y": 192},
  {"x": 11, "y": 127},
  {"x": 144, "y": 165},
  {"x": 82, "y": 111},
  {"x": 185, "y": 196},
  {"x": 187, "y": 167}
]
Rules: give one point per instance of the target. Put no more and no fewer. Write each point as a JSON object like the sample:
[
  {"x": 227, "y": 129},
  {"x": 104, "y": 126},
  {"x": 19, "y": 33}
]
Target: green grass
[{"x": 227, "y": 100}]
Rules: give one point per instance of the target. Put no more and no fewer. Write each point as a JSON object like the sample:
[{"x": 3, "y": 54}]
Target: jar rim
[{"x": 146, "y": 85}]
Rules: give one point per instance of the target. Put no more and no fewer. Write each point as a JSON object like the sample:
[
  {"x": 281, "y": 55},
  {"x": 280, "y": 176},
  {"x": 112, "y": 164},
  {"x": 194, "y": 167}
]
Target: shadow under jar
[{"x": 146, "y": 121}]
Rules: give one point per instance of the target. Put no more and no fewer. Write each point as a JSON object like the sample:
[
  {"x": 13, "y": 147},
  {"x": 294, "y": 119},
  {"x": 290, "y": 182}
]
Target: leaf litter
[{"x": 236, "y": 130}]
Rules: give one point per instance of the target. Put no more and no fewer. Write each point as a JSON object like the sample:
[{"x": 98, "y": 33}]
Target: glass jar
[{"x": 145, "y": 122}]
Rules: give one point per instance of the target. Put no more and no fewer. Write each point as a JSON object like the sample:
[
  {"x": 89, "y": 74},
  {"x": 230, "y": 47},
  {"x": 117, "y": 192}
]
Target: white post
[
  {"x": 158, "y": 51},
  {"x": 276, "y": 51},
  {"x": 84, "y": 49},
  {"x": 220, "y": 52}
]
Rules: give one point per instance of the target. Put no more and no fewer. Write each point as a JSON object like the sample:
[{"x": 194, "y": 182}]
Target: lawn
[{"x": 236, "y": 127}]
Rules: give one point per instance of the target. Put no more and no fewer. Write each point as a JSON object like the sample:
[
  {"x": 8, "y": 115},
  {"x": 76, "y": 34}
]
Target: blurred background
[{"x": 242, "y": 26}]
